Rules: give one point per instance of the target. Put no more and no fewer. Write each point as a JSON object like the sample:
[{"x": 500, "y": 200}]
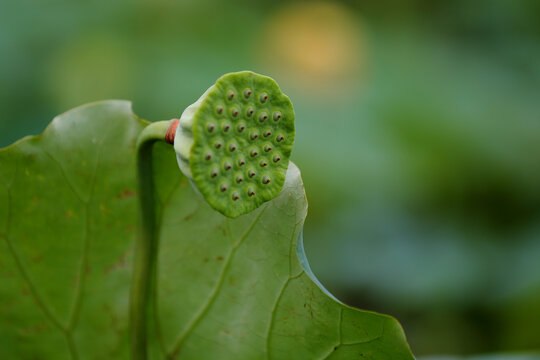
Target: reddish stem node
[{"x": 171, "y": 132}]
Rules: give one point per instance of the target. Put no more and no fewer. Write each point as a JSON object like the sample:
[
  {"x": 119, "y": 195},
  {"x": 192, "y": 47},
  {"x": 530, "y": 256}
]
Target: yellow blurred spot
[{"x": 320, "y": 45}]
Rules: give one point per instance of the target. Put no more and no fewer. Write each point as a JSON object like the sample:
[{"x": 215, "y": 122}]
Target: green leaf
[
  {"x": 67, "y": 225},
  {"x": 227, "y": 289},
  {"x": 485, "y": 357}
]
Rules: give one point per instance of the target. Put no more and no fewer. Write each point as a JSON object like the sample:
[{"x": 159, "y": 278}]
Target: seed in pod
[
  {"x": 251, "y": 191},
  {"x": 263, "y": 98},
  {"x": 276, "y": 116},
  {"x": 235, "y": 196},
  {"x": 265, "y": 179},
  {"x": 247, "y": 93}
]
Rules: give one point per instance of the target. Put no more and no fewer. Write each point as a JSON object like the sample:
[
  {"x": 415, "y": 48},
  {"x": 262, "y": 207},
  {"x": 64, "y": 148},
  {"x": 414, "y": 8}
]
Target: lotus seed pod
[{"x": 224, "y": 139}]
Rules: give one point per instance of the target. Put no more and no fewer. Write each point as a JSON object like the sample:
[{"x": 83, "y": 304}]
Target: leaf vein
[
  {"x": 26, "y": 276},
  {"x": 82, "y": 272},
  {"x": 64, "y": 175},
  {"x": 213, "y": 295},
  {"x": 274, "y": 308}
]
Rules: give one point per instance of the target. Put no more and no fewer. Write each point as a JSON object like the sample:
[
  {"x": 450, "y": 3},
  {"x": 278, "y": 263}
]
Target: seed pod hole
[
  {"x": 251, "y": 173},
  {"x": 213, "y": 172},
  {"x": 263, "y": 163},
  {"x": 253, "y": 136},
  {"x": 247, "y": 93},
  {"x": 234, "y": 112},
  {"x": 230, "y": 95},
  {"x": 219, "y": 109},
  {"x": 235, "y": 196},
  {"x": 241, "y": 162},
  {"x": 232, "y": 147},
  {"x": 223, "y": 187},
  {"x": 240, "y": 127},
  {"x": 263, "y": 117},
  {"x": 208, "y": 156},
  {"x": 265, "y": 179},
  {"x": 226, "y": 127},
  {"x": 276, "y": 158},
  {"x": 276, "y": 116},
  {"x": 249, "y": 111},
  {"x": 253, "y": 153},
  {"x": 279, "y": 138},
  {"x": 267, "y": 148},
  {"x": 267, "y": 133},
  {"x": 217, "y": 145},
  {"x": 227, "y": 165},
  {"x": 211, "y": 127},
  {"x": 251, "y": 192},
  {"x": 239, "y": 179},
  {"x": 263, "y": 98}
]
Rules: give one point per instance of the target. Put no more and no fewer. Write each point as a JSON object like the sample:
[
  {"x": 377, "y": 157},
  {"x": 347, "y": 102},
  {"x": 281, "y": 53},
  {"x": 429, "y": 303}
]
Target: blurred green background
[{"x": 418, "y": 134}]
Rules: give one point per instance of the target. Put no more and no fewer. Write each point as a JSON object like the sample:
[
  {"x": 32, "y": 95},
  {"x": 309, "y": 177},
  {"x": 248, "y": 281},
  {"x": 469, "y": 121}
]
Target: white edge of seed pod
[{"x": 183, "y": 139}]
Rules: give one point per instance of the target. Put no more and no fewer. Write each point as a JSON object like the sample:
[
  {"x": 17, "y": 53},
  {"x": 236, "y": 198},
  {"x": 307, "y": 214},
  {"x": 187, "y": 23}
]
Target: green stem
[{"x": 146, "y": 243}]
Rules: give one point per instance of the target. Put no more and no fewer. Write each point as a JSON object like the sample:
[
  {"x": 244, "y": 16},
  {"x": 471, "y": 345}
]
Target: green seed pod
[{"x": 236, "y": 117}]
